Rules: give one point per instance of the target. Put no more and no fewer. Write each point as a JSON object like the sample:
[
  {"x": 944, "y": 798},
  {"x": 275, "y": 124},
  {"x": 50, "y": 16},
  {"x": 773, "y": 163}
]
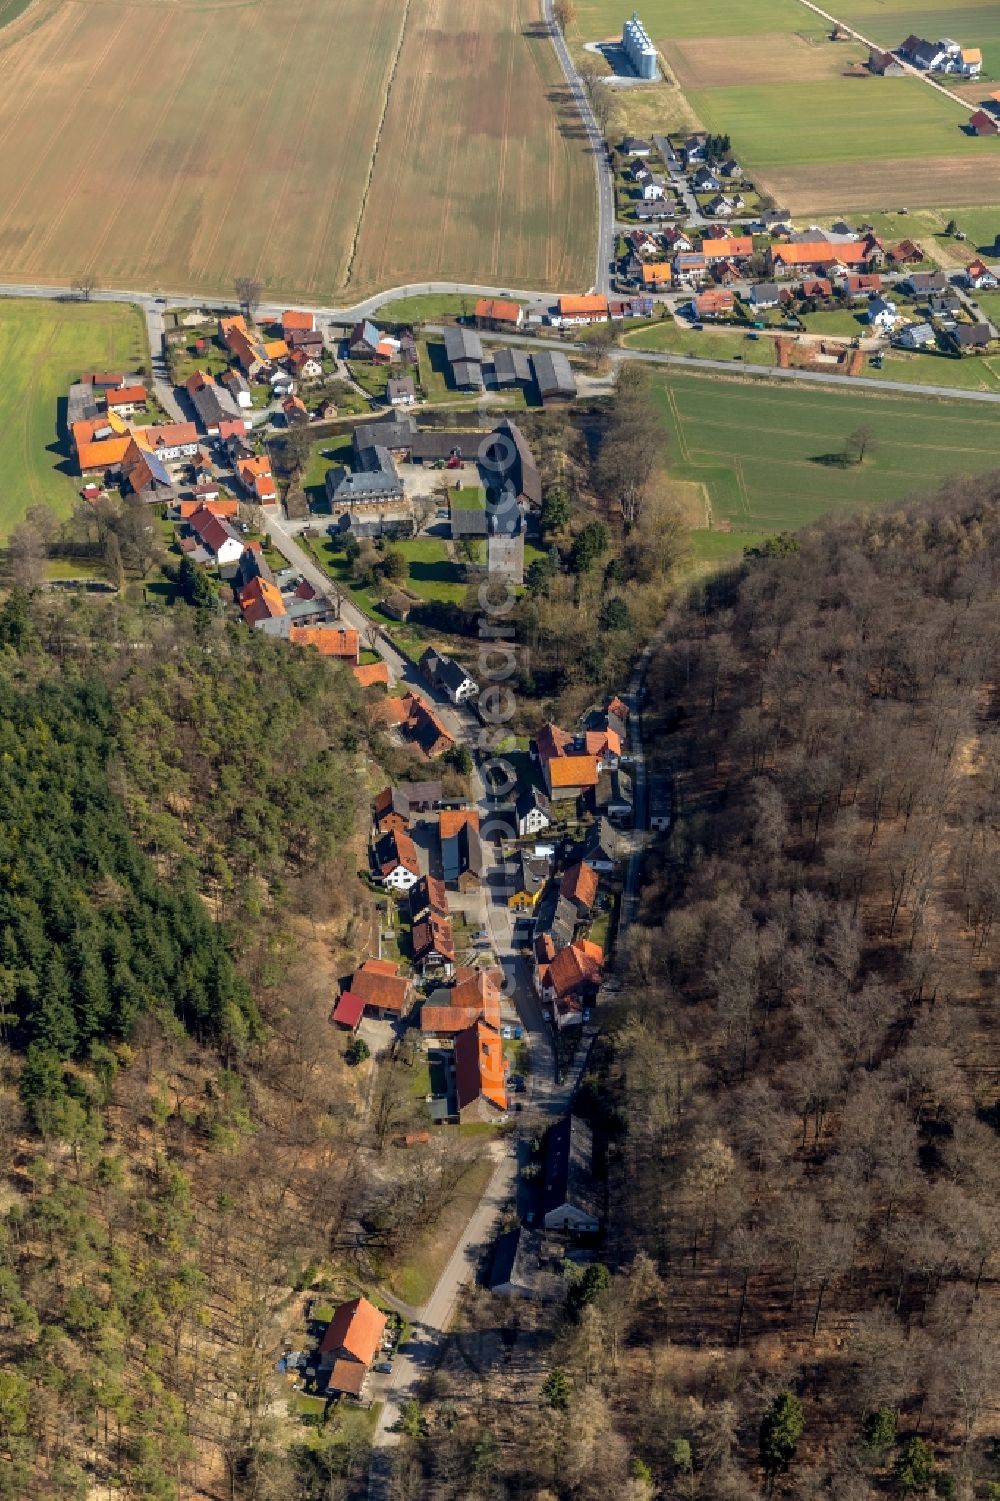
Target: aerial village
[{"x": 713, "y": 251}]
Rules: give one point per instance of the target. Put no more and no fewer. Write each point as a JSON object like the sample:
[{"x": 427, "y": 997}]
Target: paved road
[
  {"x": 602, "y": 167},
  {"x": 768, "y": 372},
  {"x": 877, "y": 47},
  {"x": 145, "y": 300}
]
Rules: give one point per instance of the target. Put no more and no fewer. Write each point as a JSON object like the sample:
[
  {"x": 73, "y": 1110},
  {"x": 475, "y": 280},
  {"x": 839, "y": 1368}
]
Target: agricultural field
[
  {"x": 43, "y": 347},
  {"x": 793, "y": 100},
  {"x": 773, "y": 459},
  {"x": 256, "y": 144}
]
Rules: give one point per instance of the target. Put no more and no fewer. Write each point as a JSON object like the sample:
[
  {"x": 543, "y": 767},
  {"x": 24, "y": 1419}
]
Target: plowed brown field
[{"x": 174, "y": 144}]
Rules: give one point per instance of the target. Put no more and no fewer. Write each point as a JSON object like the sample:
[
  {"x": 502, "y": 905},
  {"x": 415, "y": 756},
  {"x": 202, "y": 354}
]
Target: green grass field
[
  {"x": 848, "y": 121},
  {"x": 44, "y": 347},
  {"x": 665, "y": 19},
  {"x": 769, "y": 458},
  {"x": 425, "y": 306}
]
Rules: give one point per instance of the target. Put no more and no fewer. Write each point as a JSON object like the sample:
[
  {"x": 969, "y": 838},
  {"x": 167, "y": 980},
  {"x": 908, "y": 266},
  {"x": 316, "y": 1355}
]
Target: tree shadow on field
[{"x": 839, "y": 460}]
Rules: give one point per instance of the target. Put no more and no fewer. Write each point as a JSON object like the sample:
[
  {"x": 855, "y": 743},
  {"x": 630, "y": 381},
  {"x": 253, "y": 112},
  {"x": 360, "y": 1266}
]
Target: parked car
[
  {"x": 546, "y": 1015},
  {"x": 384, "y": 1367}
]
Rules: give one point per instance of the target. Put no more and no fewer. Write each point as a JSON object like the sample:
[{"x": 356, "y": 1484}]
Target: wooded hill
[
  {"x": 804, "y": 1074},
  {"x": 179, "y": 805}
]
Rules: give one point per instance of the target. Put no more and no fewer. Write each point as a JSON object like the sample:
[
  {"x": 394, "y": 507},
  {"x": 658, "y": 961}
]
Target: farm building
[
  {"x": 570, "y": 1198},
  {"x": 884, "y": 64},
  {"x": 984, "y": 124},
  {"x": 554, "y": 377},
  {"x": 464, "y": 352}
]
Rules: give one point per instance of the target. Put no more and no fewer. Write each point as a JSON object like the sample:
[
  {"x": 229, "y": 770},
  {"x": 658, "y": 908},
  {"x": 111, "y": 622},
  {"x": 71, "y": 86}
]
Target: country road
[
  {"x": 152, "y": 310},
  {"x": 602, "y": 166}
]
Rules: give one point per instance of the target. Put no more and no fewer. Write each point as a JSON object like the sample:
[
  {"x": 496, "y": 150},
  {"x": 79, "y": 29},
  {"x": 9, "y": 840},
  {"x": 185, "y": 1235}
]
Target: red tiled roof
[
  {"x": 579, "y": 964},
  {"x": 349, "y": 1009},
  {"x": 452, "y": 821},
  {"x": 580, "y": 884},
  {"x": 573, "y": 771},
  {"x": 261, "y": 600},
  {"x": 480, "y": 1069},
  {"x": 291, "y": 318},
  {"x": 433, "y": 934},
  {"x": 356, "y": 1328},
  {"x": 126, "y": 395},
  {"x": 551, "y": 741},
  {"x": 371, "y": 674},
  {"x": 379, "y": 983},
  {"x": 329, "y": 641},
  {"x": 498, "y": 310}
]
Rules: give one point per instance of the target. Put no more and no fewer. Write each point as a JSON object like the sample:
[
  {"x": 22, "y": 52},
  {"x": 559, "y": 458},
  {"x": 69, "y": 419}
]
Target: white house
[
  {"x": 970, "y": 62},
  {"x": 653, "y": 189},
  {"x": 979, "y": 276},
  {"x": 533, "y": 812},
  {"x": 444, "y": 672},
  {"x": 882, "y": 313},
  {"x": 396, "y": 862}
]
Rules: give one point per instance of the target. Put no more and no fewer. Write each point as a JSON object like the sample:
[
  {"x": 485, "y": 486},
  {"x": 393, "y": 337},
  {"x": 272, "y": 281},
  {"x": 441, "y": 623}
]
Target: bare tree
[
  {"x": 248, "y": 290},
  {"x": 27, "y": 553},
  {"x": 85, "y": 285},
  {"x": 861, "y": 441},
  {"x": 565, "y": 14}
]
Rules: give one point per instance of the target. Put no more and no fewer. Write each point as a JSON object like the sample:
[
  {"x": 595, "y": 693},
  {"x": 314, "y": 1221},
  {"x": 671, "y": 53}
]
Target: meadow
[
  {"x": 772, "y": 459},
  {"x": 44, "y": 346},
  {"x": 257, "y": 139}
]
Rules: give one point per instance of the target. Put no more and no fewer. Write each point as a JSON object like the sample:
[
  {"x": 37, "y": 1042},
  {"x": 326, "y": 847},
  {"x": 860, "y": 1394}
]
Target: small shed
[{"x": 348, "y": 1011}]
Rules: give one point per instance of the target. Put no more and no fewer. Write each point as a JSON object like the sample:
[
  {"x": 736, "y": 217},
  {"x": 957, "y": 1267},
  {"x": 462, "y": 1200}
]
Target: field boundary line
[
  {"x": 675, "y": 411},
  {"x": 414, "y": 110},
  {"x": 325, "y": 221},
  {"x": 353, "y": 252},
  {"x": 504, "y": 139},
  {"x": 305, "y": 116}
]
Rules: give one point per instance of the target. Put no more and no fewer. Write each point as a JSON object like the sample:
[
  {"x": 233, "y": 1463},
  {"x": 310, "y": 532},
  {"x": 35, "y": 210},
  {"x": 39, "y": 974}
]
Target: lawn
[
  {"x": 44, "y": 347},
  {"x": 935, "y": 368},
  {"x": 849, "y": 120},
  {"x": 836, "y": 323},
  {"x": 467, "y": 498},
  {"x": 425, "y": 307},
  {"x": 710, "y": 344},
  {"x": 769, "y": 458},
  {"x": 334, "y": 163},
  {"x": 432, "y": 574}
]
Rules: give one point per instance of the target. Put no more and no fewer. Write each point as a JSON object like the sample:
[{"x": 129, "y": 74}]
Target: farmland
[
  {"x": 43, "y": 347},
  {"x": 230, "y": 160},
  {"x": 772, "y": 459},
  {"x": 793, "y": 100}
]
